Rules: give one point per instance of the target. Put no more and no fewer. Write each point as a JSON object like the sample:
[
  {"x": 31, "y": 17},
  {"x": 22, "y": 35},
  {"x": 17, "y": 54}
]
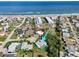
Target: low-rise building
[
  {"x": 41, "y": 43},
  {"x": 10, "y": 55},
  {"x": 74, "y": 20},
  {"x": 54, "y": 17},
  {"x": 32, "y": 39},
  {"x": 38, "y": 21},
  {"x": 26, "y": 46},
  {"x": 1, "y": 48},
  {"x": 5, "y": 26},
  {"x": 49, "y": 20},
  {"x": 65, "y": 32},
  {"x": 2, "y": 33},
  {"x": 29, "y": 32},
  {"x": 12, "y": 47},
  {"x": 5, "y": 51},
  {"x": 40, "y": 33},
  {"x": 20, "y": 33},
  {"x": 77, "y": 40},
  {"x": 77, "y": 24}
]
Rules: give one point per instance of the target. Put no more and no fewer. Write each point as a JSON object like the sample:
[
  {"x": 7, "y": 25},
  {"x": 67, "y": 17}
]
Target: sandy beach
[{"x": 43, "y": 15}]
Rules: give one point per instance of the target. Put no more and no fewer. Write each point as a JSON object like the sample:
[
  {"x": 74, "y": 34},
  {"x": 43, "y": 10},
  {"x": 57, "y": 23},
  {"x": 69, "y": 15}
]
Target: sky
[{"x": 24, "y": 3}]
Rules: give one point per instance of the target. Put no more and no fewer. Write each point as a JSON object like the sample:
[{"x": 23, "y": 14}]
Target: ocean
[{"x": 36, "y": 8}]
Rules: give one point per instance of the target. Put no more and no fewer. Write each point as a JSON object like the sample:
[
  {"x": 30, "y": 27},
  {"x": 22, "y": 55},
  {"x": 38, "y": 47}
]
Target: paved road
[
  {"x": 8, "y": 38},
  {"x": 21, "y": 23},
  {"x": 72, "y": 29},
  {"x": 1, "y": 42},
  {"x": 75, "y": 36}
]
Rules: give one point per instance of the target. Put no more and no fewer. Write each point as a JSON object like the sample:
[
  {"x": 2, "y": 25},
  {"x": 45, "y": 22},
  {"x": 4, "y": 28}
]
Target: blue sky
[{"x": 57, "y": 3}]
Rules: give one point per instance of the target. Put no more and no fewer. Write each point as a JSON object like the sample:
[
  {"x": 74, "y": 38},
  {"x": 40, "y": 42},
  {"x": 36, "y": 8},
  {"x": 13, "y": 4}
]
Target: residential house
[
  {"x": 38, "y": 21},
  {"x": 40, "y": 33},
  {"x": 41, "y": 43},
  {"x": 65, "y": 32},
  {"x": 26, "y": 46},
  {"x": 12, "y": 47},
  {"x": 49, "y": 20}
]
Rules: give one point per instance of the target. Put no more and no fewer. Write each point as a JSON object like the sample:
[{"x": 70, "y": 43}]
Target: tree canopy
[{"x": 53, "y": 45}]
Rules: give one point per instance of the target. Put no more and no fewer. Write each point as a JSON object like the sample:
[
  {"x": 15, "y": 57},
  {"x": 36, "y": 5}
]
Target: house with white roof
[
  {"x": 49, "y": 20},
  {"x": 12, "y": 47},
  {"x": 26, "y": 46},
  {"x": 32, "y": 39},
  {"x": 65, "y": 32},
  {"x": 5, "y": 26},
  {"x": 38, "y": 21},
  {"x": 54, "y": 17},
  {"x": 77, "y": 40},
  {"x": 40, "y": 43},
  {"x": 77, "y": 24},
  {"x": 39, "y": 32}
]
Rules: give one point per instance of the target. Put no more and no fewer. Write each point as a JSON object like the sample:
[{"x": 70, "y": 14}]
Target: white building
[
  {"x": 77, "y": 40},
  {"x": 26, "y": 46},
  {"x": 74, "y": 20},
  {"x": 54, "y": 17},
  {"x": 5, "y": 26},
  {"x": 77, "y": 24},
  {"x": 76, "y": 54},
  {"x": 40, "y": 43},
  {"x": 12, "y": 47},
  {"x": 40, "y": 33},
  {"x": 65, "y": 32},
  {"x": 1, "y": 48},
  {"x": 49, "y": 20},
  {"x": 5, "y": 50},
  {"x": 31, "y": 39},
  {"x": 38, "y": 21}
]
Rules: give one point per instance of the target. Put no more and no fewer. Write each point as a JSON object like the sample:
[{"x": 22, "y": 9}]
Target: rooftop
[
  {"x": 26, "y": 46},
  {"x": 40, "y": 43},
  {"x": 49, "y": 20},
  {"x": 12, "y": 47}
]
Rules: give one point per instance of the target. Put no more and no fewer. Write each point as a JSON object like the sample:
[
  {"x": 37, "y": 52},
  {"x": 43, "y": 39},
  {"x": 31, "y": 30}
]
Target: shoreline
[{"x": 43, "y": 15}]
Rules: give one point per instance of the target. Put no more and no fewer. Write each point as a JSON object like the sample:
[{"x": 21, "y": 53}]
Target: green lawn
[
  {"x": 2, "y": 38},
  {"x": 37, "y": 50},
  {"x": 53, "y": 42},
  {"x": 43, "y": 20},
  {"x": 10, "y": 27},
  {"x": 7, "y": 44},
  {"x": 1, "y": 54},
  {"x": 22, "y": 53},
  {"x": 18, "y": 22},
  {"x": 14, "y": 36}
]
